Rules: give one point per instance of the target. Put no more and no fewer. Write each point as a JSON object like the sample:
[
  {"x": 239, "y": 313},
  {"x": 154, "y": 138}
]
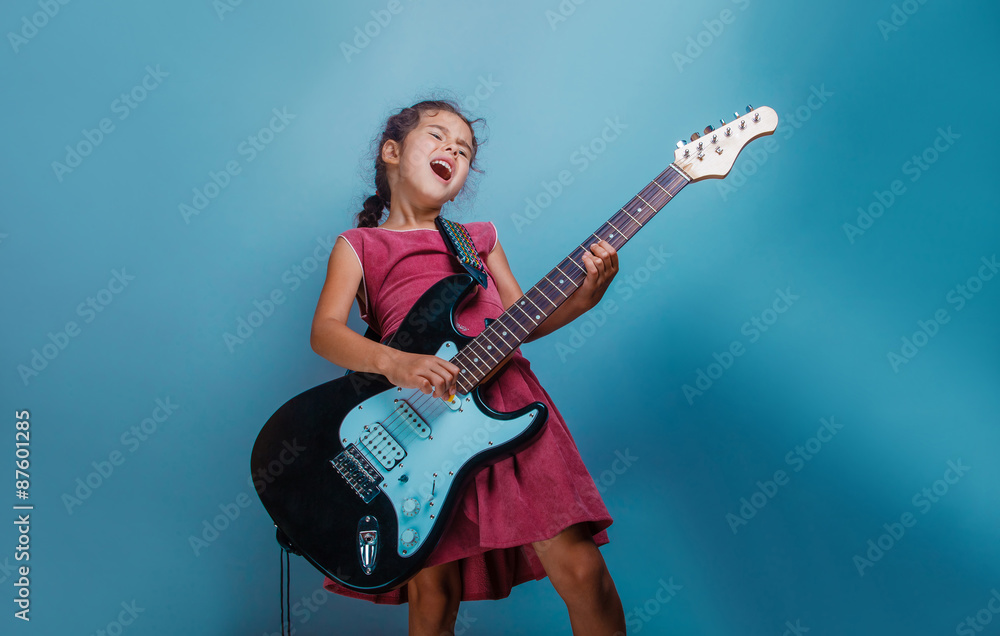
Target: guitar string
[
  {"x": 674, "y": 179},
  {"x": 393, "y": 426}
]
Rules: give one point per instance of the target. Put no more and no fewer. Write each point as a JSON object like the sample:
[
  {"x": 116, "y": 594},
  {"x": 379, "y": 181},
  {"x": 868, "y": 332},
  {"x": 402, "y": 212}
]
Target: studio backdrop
[{"x": 788, "y": 396}]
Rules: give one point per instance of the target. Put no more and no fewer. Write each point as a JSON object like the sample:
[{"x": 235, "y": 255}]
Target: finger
[
  {"x": 434, "y": 383},
  {"x": 599, "y": 264},
  {"x": 612, "y": 254},
  {"x": 449, "y": 379},
  {"x": 450, "y": 373},
  {"x": 596, "y": 253},
  {"x": 447, "y": 370}
]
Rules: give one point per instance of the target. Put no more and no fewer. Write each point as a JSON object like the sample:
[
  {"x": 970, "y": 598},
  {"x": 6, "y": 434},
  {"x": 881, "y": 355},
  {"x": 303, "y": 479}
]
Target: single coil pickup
[
  {"x": 417, "y": 423},
  {"x": 358, "y": 473}
]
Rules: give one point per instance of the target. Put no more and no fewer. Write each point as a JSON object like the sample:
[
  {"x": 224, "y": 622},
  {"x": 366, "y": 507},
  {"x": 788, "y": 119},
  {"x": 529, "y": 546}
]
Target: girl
[{"x": 535, "y": 514}]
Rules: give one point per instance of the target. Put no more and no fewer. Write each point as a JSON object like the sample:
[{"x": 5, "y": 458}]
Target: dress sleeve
[
  {"x": 495, "y": 238},
  {"x": 353, "y": 239}
]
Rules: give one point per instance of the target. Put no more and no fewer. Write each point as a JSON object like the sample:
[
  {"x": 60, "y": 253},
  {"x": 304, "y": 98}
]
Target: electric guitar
[{"x": 361, "y": 477}]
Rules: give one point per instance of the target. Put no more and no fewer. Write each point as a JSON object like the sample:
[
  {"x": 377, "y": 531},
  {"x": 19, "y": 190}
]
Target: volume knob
[
  {"x": 408, "y": 537},
  {"x": 411, "y": 507}
]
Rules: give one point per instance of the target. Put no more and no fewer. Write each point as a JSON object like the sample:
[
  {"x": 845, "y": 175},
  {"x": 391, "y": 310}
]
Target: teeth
[{"x": 442, "y": 163}]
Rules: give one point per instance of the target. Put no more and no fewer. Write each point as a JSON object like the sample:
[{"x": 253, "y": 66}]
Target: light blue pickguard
[{"x": 454, "y": 434}]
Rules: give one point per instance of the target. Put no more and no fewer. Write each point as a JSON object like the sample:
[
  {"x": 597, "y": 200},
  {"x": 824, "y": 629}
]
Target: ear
[{"x": 390, "y": 152}]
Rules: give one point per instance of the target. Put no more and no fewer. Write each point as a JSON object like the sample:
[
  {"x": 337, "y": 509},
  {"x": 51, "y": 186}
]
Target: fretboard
[{"x": 503, "y": 335}]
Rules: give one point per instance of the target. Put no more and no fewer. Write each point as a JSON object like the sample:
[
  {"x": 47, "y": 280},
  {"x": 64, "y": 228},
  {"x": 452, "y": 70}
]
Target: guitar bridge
[{"x": 358, "y": 473}]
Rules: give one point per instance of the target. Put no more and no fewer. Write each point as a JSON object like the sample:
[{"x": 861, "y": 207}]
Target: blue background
[{"x": 547, "y": 82}]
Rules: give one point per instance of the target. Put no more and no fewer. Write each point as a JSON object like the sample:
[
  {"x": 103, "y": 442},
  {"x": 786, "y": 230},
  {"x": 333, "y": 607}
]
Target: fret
[
  {"x": 475, "y": 360},
  {"x": 656, "y": 198},
  {"x": 484, "y": 350},
  {"x": 562, "y": 272},
  {"x": 540, "y": 295},
  {"x": 582, "y": 269},
  {"x": 559, "y": 289},
  {"x": 632, "y": 217},
  {"x": 523, "y": 327},
  {"x": 645, "y": 201},
  {"x": 487, "y": 345},
  {"x": 665, "y": 191},
  {"x": 500, "y": 329},
  {"x": 530, "y": 300},
  {"x": 624, "y": 220},
  {"x": 615, "y": 228},
  {"x": 654, "y": 195},
  {"x": 523, "y": 311},
  {"x": 613, "y": 235},
  {"x": 509, "y": 330},
  {"x": 670, "y": 183},
  {"x": 469, "y": 362},
  {"x": 546, "y": 297},
  {"x": 577, "y": 259}
]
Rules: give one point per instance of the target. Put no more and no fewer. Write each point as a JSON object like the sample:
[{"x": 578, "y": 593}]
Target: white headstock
[{"x": 712, "y": 154}]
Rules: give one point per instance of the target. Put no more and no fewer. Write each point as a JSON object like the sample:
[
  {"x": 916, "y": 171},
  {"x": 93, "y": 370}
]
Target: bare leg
[
  {"x": 577, "y": 570},
  {"x": 433, "y": 595}
]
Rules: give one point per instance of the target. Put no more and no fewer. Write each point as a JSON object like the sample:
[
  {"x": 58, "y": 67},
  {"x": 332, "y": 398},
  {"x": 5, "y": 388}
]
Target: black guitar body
[{"x": 326, "y": 519}]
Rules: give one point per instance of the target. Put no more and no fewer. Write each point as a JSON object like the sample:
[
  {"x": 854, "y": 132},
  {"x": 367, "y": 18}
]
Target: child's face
[{"x": 434, "y": 162}]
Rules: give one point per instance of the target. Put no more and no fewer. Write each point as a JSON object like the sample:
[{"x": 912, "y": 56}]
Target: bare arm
[
  {"x": 600, "y": 271},
  {"x": 331, "y": 337},
  {"x": 341, "y": 345}
]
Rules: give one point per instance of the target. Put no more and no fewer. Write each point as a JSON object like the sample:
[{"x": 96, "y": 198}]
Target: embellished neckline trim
[{"x": 407, "y": 230}]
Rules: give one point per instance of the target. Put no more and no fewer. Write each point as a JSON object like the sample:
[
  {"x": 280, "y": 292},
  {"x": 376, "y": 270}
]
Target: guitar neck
[{"x": 483, "y": 354}]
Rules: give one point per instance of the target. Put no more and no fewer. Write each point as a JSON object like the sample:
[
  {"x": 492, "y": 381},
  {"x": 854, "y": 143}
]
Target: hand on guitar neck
[{"x": 602, "y": 266}]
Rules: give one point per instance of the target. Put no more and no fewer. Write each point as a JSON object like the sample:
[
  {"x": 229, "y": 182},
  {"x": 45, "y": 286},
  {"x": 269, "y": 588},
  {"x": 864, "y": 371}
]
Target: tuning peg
[
  {"x": 708, "y": 129},
  {"x": 749, "y": 108},
  {"x": 694, "y": 136},
  {"x": 736, "y": 115},
  {"x": 722, "y": 122},
  {"x": 681, "y": 143}
]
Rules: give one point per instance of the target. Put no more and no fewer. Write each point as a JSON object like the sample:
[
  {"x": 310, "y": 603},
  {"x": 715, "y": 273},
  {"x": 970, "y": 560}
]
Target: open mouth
[{"x": 441, "y": 169}]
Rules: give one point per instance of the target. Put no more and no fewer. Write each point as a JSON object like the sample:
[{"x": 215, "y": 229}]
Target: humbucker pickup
[{"x": 382, "y": 445}]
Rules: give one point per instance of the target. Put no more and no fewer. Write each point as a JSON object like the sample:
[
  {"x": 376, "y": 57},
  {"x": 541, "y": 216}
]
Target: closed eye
[{"x": 461, "y": 152}]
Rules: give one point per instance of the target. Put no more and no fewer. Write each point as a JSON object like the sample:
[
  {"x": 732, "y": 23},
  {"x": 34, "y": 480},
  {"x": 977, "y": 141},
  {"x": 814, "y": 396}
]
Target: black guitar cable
[{"x": 286, "y": 594}]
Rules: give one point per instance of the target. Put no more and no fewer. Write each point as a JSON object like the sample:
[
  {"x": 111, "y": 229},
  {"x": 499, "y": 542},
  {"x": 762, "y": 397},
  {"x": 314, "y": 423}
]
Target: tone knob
[
  {"x": 411, "y": 507},
  {"x": 408, "y": 537}
]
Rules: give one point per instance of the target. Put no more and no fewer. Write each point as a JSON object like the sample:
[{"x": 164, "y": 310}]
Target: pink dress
[{"x": 531, "y": 496}]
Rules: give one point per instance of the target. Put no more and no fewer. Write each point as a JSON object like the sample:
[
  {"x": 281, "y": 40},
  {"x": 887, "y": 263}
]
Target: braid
[
  {"x": 370, "y": 216},
  {"x": 375, "y": 205}
]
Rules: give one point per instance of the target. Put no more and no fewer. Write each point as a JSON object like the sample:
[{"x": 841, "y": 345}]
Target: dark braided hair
[{"x": 396, "y": 128}]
